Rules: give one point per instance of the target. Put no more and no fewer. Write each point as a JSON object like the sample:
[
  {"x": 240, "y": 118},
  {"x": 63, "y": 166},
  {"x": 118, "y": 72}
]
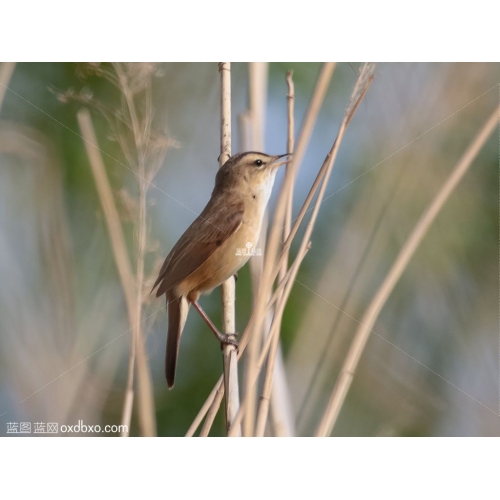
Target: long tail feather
[{"x": 177, "y": 314}]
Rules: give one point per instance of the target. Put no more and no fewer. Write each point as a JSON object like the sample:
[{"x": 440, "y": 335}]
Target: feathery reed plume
[{"x": 144, "y": 150}]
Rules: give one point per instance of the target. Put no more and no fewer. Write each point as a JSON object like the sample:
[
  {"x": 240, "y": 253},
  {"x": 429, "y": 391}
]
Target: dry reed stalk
[
  {"x": 271, "y": 269},
  {"x": 307, "y": 383},
  {"x": 368, "y": 320},
  {"x": 108, "y": 205},
  {"x": 281, "y": 297},
  {"x": 205, "y": 408},
  {"x": 253, "y": 135},
  {"x": 212, "y": 412},
  {"x": 360, "y": 89},
  {"x": 252, "y": 139},
  {"x": 290, "y": 148},
  {"x": 230, "y": 354},
  {"x": 264, "y": 399},
  {"x": 6, "y": 71},
  {"x": 283, "y": 423},
  {"x": 146, "y": 409},
  {"x": 312, "y": 112},
  {"x": 257, "y": 96},
  {"x": 276, "y": 230}
]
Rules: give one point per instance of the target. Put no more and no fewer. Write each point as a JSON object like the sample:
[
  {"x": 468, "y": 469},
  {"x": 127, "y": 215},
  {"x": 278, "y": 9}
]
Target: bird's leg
[{"x": 223, "y": 338}]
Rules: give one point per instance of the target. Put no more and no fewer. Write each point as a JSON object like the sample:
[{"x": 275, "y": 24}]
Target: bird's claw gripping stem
[{"x": 228, "y": 339}]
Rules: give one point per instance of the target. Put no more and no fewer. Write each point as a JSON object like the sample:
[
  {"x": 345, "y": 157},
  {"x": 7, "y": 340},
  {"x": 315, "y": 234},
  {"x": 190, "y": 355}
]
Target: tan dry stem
[
  {"x": 254, "y": 141},
  {"x": 283, "y": 422},
  {"x": 275, "y": 236},
  {"x": 230, "y": 355},
  {"x": 204, "y": 409},
  {"x": 357, "y": 95},
  {"x": 271, "y": 342},
  {"x": 214, "y": 408}
]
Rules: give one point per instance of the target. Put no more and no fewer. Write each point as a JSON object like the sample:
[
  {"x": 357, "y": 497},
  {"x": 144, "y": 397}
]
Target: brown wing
[{"x": 212, "y": 227}]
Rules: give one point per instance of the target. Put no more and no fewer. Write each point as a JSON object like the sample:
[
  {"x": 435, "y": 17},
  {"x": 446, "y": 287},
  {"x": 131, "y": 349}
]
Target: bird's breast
[{"x": 227, "y": 259}]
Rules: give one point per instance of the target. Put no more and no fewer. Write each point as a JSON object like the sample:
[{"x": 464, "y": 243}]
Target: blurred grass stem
[
  {"x": 146, "y": 409},
  {"x": 346, "y": 375},
  {"x": 6, "y": 71}
]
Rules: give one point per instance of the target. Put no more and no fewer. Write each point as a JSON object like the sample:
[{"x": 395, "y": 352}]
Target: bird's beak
[{"x": 276, "y": 163}]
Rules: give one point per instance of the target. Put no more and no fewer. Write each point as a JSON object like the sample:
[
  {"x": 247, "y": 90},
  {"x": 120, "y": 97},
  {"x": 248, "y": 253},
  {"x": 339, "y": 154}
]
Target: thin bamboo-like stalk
[
  {"x": 6, "y": 71},
  {"x": 230, "y": 354},
  {"x": 346, "y": 375}
]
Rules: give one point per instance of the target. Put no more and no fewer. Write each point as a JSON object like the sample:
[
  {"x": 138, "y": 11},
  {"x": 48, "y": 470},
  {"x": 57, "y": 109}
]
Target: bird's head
[{"x": 252, "y": 170}]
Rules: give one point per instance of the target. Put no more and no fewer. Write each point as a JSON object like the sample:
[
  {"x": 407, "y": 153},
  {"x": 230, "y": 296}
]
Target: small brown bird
[{"x": 216, "y": 244}]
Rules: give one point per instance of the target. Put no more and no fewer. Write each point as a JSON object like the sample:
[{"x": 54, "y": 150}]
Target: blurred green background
[{"x": 432, "y": 366}]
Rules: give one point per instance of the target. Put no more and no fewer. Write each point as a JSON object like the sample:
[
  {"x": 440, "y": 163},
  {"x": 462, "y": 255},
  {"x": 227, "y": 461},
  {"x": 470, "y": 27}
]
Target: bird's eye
[{"x": 258, "y": 163}]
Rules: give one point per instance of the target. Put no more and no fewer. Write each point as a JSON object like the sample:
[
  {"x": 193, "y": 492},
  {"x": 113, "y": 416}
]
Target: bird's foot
[{"x": 228, "y": 339}]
